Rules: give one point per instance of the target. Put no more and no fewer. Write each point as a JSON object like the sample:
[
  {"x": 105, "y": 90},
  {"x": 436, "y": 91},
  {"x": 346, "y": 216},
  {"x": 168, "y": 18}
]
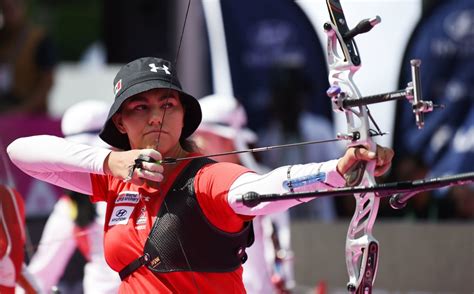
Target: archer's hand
[
  {"x": 383, "y": 157},
  {"x": 122, "y": 164}
]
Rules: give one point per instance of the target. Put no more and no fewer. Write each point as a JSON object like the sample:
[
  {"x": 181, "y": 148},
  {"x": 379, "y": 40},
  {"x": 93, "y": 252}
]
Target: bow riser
[
  {"x": 341, "y": 73},
  {"x": 361, "y": 246}
]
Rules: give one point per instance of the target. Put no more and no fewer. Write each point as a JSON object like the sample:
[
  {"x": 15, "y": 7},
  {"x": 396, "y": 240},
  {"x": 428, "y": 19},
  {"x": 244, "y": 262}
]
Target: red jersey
[
  {"x": 131, "y": 211},
  {"x": 12, "y": 238}
]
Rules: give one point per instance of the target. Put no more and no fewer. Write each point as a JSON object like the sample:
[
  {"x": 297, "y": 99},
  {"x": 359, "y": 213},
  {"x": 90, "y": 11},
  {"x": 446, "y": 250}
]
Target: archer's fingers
[
  {"x": 354, "y": 154},
  {"x": 384, "y": 155},
  {"x": 152, "y": 167},
  {"x": 362, "y": 153},
  {"x": 384, "y": 160},
  {"x": 149, "y": 175},
  {"x": 381, "y": 170},
  {"x": 155, "y": 155}
]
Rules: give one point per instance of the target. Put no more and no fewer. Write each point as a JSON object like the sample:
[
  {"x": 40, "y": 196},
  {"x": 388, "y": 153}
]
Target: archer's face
[{"x": 152, "y": 119}]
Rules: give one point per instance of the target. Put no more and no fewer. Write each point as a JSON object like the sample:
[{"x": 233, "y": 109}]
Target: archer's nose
[{"x": 156, "y": 117}]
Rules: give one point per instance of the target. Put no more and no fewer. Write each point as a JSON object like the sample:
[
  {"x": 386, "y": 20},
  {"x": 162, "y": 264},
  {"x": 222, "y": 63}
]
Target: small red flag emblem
[{"x": 118, "y": 87}]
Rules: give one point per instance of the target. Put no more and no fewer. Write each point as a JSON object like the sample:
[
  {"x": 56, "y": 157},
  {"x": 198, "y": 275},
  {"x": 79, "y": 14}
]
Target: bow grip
[{"x": 355, "y": 173}]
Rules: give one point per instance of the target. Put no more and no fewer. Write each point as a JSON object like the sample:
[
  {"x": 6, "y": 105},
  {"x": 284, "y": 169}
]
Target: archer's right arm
[
  {"x": 69, "y": 165},
  {"x": 58, "y": 161}
]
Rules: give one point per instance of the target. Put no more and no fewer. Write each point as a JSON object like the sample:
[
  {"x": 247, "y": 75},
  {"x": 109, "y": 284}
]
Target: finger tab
[{"x": 143, "y": 157}]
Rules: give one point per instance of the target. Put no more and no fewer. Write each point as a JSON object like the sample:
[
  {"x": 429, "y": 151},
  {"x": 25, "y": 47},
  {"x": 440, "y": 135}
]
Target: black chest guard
[{"x": 182, "y": 239}]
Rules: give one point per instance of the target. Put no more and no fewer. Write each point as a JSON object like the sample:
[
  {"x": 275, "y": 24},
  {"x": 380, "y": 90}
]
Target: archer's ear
[{"x": 117, "y": 120}]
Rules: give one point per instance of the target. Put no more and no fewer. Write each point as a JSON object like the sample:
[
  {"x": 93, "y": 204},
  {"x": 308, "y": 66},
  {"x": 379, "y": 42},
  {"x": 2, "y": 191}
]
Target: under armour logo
[
  {"x": 155, "y": 68},
  {"x": 121, "y": 212}
]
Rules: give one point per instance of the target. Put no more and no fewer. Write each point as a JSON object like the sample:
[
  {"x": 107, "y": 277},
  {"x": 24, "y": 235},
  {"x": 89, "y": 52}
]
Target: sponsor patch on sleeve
[{"x": 304, "y": 181}]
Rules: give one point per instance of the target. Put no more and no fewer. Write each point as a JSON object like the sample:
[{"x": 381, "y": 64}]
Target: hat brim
[{"x": 192, "y": 116}]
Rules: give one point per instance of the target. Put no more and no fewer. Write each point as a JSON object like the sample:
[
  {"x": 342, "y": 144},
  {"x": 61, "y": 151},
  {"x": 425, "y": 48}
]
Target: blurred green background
[{"x": 74, "y": 25}]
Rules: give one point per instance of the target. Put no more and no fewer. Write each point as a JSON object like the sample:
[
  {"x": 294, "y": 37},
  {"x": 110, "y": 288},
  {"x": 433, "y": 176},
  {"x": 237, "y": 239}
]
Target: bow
[
  {"x": 362, "y": 249},
  {"x": 361, "y": 246}
]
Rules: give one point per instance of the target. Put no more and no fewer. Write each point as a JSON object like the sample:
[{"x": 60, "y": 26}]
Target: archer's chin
[{"x": 152, "y": 146}]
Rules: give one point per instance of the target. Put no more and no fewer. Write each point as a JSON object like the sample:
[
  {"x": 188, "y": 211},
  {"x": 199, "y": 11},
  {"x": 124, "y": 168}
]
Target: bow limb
[{"x": 361, "y": 247}]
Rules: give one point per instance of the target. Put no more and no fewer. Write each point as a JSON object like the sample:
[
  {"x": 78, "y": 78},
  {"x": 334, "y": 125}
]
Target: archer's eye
[
  {"x": 169, "y": 102},
  {"x": 167, "y": 105},
  {"x": 140, "y": 107}
]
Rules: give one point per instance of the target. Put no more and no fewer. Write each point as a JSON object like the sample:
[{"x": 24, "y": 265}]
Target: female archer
[{"x": 171, "y": 227}]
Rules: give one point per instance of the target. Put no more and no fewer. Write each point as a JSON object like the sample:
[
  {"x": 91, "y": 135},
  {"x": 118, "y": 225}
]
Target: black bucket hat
[{"x": 142, "y": 75}]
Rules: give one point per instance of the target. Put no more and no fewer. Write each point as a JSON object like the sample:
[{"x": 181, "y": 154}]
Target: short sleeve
[
  {"x": 99, "y": 188},
  {"x": 212, "y": 184}
]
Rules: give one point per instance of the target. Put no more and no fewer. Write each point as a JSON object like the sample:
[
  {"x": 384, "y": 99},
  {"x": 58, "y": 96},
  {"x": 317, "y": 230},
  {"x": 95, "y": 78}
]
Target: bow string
[{"x": 147, "y": 158}]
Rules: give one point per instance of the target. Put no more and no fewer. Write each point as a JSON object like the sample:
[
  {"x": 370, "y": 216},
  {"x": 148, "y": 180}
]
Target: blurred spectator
[
  {"x": 12, "y": 241},
  {"x": 291, "y": 122},
  {"x": 75, "y": 222},
  {"x": 269, "y": 268},
  {"x": 13, "y": 272},
  {"x": 443, "y": 40},
  {"x": 27, "y": 61}
]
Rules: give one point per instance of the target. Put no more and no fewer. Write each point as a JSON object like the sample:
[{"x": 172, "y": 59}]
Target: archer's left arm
[{"x": 302, "y": 178}]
